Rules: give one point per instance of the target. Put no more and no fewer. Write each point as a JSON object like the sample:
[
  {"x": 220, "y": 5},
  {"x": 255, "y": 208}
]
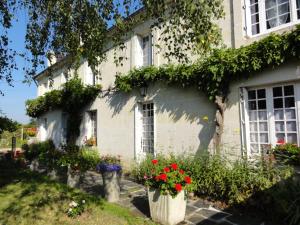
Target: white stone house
[{"x": 260, "y": 110}]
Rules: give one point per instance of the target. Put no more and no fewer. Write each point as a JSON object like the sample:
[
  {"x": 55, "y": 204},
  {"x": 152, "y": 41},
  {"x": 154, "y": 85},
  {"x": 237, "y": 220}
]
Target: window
[
  {"x": 258, "y": 121},
  {"x": 265, "y": 15},
  {"x": 271, "y": 117},
  {"x": 148, "y": 128},
  {"x": 93, "y": 119},
  {"x": 147, "y": 50}
]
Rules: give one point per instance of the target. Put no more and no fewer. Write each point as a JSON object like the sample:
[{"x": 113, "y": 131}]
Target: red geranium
[
  {"x": 167, "y": 169},
  {"x": 178, "y": 187},
  {"x": 163, "y": 177},
  {"x": 188, "y": 180},
  {"x": 181, "y": 171},
  {"x": 154, "y": 161},
  {"x": 174, "y": 166}
]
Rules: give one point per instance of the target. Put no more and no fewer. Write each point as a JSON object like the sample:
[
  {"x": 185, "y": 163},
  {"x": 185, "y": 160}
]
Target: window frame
[
  {"x": 244, "y": 115},
  {"x": 150, "y": 49},
  {"x": 262, "y": 18}
]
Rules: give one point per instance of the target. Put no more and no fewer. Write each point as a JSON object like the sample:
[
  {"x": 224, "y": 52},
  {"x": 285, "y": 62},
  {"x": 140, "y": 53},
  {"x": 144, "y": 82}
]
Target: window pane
[
  {"x": 277, "y": 91},
  {"x": 278, "y": 103},
  {"x": 252, "y": 105},
  {"x": 262, "y": 104},
  {"x": 255, "y": 29},
  {"x": 254, "y": 8},
  {"x": 263, "y": 138},
  {"x": 292, "y": 138},
  {"x": 289, "y": 102},
  {"x": 289, "y": 90},
  {"x": 278, "y": 114},
  {"x": 255, "y": 18},
  {"x": 262, "y": 115},
  {"x": 254, "y": 148},
  {"x": 251, "y": 95},
  {"x": 253, "y": 126},
  {"x": 280, "y": 137},
  {"x": 261, "y": 93},
  {"x": 291, "y": 126},
  {"x": 254, "y": 137},
  {"x": 279, "y": 126},
  {"x": 263, "y": 126},
  {"x": 253, "y": 116},
  {"x": 298, "y": 9},
  {"x": 290, "y": 114}
]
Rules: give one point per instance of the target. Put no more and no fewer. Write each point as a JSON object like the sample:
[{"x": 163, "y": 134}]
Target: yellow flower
[{"x": 205, "y": 118}]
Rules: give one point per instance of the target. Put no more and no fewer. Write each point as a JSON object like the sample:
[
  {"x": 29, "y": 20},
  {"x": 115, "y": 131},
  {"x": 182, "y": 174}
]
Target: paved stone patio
[{"x": 198, "y": 212}]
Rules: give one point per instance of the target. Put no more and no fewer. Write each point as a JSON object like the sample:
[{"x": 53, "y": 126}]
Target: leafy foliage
[
  {"x": 212, "y": 75},
  {"x": 79, "y": 159},
  {"x": 7, "y": 124},
  {"x": 216, "y": 178},
  {"x": 71, "y": 99},
  {"x": 79, "y": 28},
  {"x": 287, "y": 153}
]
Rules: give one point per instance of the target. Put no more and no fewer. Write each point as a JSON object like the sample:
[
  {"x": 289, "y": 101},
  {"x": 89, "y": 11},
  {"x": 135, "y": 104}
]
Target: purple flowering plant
[{"x": 109, "y": 163}]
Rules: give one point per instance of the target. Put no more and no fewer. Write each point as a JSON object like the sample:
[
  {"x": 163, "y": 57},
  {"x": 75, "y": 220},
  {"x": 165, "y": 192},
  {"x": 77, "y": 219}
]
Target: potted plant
[
  {"x": 167, "y": 192},
  {"x": 111, "y": 172},
  {"x": 91, "y": 142}
]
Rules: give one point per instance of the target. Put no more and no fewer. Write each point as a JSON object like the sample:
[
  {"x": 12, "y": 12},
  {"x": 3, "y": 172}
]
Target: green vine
[
  {"x": 213, "y": 74},
  {"x": 71, "y": 99}
]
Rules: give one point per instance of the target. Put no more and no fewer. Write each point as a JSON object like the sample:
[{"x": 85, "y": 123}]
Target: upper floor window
[
  {"x": 147, "y": 50},
  {"x": 266, "y": 15}
]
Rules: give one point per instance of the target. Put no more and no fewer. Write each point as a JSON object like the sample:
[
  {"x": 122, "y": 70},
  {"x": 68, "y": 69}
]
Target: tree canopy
[
  {"x": 7, "y": 124},
  {"x": 82, "y": 28}
]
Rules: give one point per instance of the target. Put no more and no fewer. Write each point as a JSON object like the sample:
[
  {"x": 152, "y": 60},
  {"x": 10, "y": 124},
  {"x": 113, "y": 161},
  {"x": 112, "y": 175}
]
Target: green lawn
[{"x": 29, "y": 198}]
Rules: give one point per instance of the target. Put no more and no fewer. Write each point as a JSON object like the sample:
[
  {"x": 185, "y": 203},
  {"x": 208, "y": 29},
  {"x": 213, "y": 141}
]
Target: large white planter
[
  {"x": 111, "y": 183},
  {"x": 167, "y": 210}
]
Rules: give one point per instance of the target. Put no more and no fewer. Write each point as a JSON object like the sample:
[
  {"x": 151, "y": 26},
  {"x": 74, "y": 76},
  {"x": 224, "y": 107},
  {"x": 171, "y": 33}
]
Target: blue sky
[{"x": 12, "y": 104}]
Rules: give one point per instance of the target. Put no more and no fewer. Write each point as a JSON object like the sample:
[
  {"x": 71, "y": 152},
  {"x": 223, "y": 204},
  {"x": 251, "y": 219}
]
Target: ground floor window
[
  {"x": 148, "y": 128},
  {"x": 93, "y": 126},
  {"x": 270, "y": 116}
]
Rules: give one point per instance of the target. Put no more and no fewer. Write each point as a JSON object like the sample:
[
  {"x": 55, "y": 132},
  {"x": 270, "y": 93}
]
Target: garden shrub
[
  {"x": 287, "y": 153},
  {"x": 81, "y": 159},
  {"x": 218, "y": 179}
]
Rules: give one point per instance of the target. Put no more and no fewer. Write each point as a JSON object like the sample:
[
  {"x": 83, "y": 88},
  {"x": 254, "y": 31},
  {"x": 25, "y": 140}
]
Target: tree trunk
[{"x": 220, "y": 105}]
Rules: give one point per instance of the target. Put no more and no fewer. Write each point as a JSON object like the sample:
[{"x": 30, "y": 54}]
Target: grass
[{"x": 30, "y": 198}]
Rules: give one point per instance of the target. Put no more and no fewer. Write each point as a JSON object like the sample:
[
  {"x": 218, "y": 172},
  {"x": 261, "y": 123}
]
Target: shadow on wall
[{"x": 176, "y": 105}]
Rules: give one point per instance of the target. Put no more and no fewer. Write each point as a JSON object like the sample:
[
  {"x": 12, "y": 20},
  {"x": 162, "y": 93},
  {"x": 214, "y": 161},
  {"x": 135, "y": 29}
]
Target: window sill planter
[
  {"x": 111, "y": 175},
  {"x": 74, "y": 177},
  {"x": 167, "y": 210}
]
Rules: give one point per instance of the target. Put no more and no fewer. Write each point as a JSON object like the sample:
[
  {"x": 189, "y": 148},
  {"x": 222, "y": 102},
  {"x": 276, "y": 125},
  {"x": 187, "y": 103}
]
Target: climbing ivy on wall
[
  {"x": 71, "y": 99},
  {"x": 213, "y": 74}
]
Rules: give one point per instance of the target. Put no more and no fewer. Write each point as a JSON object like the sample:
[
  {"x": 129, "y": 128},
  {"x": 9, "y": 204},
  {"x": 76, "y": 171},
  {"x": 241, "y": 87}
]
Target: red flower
[
  {"x": 174, "y": 166},
  {"x": 188, "y": 180},
  {"x": 167, "y": 169},
  {"x": 281, "y": 141},
  {"x": 178, "y": 187},
  {"x": 154, "y": 161},
  {"x": 163, "y": 177},
  {"x": 181, "y": 171},
  {"x": 157, "y": 178}
]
